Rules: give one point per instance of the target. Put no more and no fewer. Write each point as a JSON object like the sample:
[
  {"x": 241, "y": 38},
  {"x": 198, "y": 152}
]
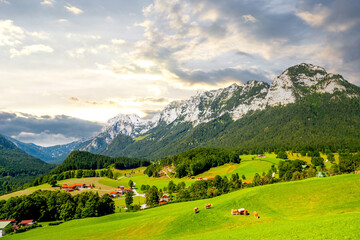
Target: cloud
[
  {"x": 241, "y": 53},
  {"x": 39, "y": 35},
  {"x": 4, "y": 2},
  {"x": 135, "y": 101},
  {"x": 118, "y": 41},
  {"x": 10, "y": 35},
  {"x": 40, "y": 129},
  {"x": 73, "y": 9},
  {"x": 73, "y": 99},
  {"x": 62, "y": 20},
  {"x": 48, "y": 2},
  {"x": 28, "y": 50},
  {"x": 223, "y": 75},
  {"x": 153, "y": 100},
  {"x": 249, "y": 18},
  {"x": 317, "y": 17},
  {"x": 150, "y": 114},
  {"x": 45, "y": 138}
]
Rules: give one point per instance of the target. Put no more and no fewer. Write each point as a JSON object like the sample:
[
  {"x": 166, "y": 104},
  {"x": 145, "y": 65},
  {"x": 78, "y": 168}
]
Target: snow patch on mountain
[{"x": 236, "y": 100}]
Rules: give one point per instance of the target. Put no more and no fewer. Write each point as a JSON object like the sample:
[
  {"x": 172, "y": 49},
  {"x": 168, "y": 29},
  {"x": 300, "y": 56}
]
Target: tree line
[
  {"x": 288, "y": 170},
  {"x": 56, "y": 205},
  {"x": 53, "y": 178},
  {"x": 85, "y": 160},
  {"x": 194, "y": 162}
]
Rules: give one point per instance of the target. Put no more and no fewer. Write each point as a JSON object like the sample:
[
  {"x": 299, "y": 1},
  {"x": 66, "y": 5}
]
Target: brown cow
[{"x": 196, "y": 210}]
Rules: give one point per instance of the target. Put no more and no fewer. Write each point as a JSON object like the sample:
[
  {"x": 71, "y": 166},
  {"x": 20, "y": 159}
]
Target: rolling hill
[
  {"x": 17, "y": 167},
  {"x": 317, "y": 208}
]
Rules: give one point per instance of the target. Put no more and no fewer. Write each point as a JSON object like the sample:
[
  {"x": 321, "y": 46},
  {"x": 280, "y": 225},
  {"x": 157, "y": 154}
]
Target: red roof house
[{"x": 26, "y": 223}]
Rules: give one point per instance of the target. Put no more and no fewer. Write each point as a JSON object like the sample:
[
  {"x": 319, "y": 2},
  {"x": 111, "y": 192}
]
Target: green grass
[
  {"x": 120, "y": 202},
  {"x": 249, "y": 165},
  {"x": 141, "y": 137},
  {"x": 317, "y": 208}
]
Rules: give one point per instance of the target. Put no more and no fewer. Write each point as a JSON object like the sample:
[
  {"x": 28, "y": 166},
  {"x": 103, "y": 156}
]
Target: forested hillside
[
  {"x": 85, "y": 160},
  {"x": 193, "y": 162},
  {"x": 316, "y": 121},
  {"x": 17, "y": 167}
]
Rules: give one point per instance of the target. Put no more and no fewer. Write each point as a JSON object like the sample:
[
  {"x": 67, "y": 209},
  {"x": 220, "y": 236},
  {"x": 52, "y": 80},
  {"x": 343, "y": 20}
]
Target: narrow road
[{"x": 137, "y": 194}]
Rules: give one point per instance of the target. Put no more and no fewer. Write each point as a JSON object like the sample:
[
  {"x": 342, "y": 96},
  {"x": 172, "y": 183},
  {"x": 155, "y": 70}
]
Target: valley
[
  {"x": 287, "y": 211},
  {"x": 285, "y": 150}
]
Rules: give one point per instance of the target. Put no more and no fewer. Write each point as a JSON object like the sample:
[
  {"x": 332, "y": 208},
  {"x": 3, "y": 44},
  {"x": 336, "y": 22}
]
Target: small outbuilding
[
  {"x": 27, "y": 223},
  {"x": 3, "y": 225}
]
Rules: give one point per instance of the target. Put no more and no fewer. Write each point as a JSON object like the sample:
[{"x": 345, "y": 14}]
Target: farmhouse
[
  {"x": 165, "y": 197},
  {"x": 70, "y": 188},
  {"x": 3, "y": 225},
  {"x": 114, "y": 194},
  {"x": 123, "y": 190}
]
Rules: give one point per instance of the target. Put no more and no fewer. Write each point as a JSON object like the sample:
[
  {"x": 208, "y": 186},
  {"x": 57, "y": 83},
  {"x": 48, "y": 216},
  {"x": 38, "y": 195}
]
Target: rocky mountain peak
[{"x": 235, "y": 100}]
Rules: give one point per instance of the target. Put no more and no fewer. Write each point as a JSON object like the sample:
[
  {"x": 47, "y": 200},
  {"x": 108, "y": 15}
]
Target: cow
[{"x": 208, "y": 205}]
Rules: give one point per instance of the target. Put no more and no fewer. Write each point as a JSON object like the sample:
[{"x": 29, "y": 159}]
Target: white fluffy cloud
[
  {"x": 48, "y": 2},
  {"x": 31, "y": 49},
  {"x": 10, "y": 35},
  {"x": 73, "y": 9}
]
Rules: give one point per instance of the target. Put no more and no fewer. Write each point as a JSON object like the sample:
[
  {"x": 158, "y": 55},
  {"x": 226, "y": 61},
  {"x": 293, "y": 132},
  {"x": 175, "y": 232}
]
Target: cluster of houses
[
  {"x": 75, "y": 186},
  {"x": 14, "y": 225},
  {"x": 120, "y": 191}
]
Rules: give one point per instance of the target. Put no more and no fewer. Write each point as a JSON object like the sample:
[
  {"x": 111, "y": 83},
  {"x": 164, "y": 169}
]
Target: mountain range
[{"x": 303, "y": 107}]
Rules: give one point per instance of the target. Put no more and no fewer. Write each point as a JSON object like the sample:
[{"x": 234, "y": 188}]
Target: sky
[{"x": 66, "y": 67}]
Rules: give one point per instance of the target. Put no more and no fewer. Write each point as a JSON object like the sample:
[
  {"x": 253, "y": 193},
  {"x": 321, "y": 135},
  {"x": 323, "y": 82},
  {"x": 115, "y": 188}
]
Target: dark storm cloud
[
  {"x": 274, "y": 19},
  {"x": 12, "y": 124},
  {"x": 341, "y": 29}
]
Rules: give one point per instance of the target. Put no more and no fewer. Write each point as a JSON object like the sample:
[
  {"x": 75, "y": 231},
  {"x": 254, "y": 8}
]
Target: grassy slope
[
  {"x": 248, "y": 167},
  {"x": 318, "y": 208},
  {"x": 88, "y": 181}
]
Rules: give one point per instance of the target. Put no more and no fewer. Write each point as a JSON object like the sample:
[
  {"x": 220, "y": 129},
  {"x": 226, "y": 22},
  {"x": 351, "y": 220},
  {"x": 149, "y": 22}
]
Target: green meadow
[
  {"x": 316, "y": 208},
  {"x": 249, "y": 165}
]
